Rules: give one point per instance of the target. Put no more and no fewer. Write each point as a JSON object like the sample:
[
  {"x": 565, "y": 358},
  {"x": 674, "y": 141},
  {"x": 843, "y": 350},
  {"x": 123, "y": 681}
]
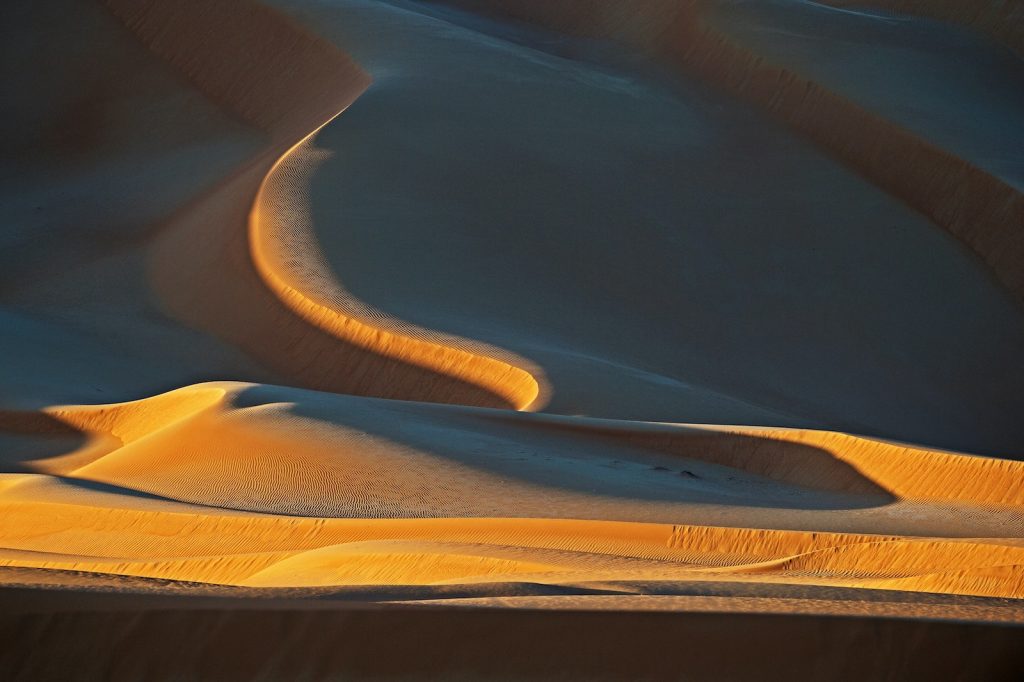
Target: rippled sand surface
[{"x": 651, "y": 340}]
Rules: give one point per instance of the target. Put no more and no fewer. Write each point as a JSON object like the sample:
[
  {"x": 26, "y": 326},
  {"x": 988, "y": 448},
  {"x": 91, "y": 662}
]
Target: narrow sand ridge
[
  {"x": 225, "y": 71},
  {"x": 284, "y": 253},
  {"x": 652, "y": 205}
]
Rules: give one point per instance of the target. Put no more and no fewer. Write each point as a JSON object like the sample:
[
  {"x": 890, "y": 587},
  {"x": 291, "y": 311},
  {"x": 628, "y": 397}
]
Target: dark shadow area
[
  {"x": 651, "y": 275},
  {"x": 596, "y": 457},
  {"x": 26, "y": 437},
  {"x": 794, "y": 463},
  {"x": 113, "y": 489},
  {"x": 97, "y": 637}
]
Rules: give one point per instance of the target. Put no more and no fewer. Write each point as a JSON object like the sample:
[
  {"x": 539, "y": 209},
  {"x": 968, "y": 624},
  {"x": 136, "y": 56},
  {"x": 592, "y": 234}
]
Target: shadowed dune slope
[
  {"x": 247, "y": 57},
  {"x": 197, "y": 264},
  {"x": 269, "y": 88},
  {"x": 576, "y": 315},
  {"x": 102, "y": 143},
  {"x": 922, "y": 75},
  {"x": 977, "y": 207},
  {"x": 730, "y": 272}
]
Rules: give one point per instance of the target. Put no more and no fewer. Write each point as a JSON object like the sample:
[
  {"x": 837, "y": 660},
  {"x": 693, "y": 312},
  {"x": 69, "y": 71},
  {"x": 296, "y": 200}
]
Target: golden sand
[
  {"x": 214, "y": 472},
  {"x": 415, "y": 458}
]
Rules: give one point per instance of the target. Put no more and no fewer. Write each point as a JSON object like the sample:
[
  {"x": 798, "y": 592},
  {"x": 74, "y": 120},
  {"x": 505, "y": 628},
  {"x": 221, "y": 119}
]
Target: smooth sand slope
[
  {"x": 935, "y": 76},
  {"x": 101, "y": 146},
  {"x": 980, "y": 209},
  {"x": 659, "y": 252},
  {"x": 303, "y": 507},
  {"x": 521, "y": 282}
]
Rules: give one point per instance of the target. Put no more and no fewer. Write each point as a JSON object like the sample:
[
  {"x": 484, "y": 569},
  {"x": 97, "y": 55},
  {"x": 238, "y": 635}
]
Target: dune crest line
[
  {"x": 303, "y": 283},
  {"x": 257, "y": 486},
  {"x": 820, "y": 460},
  {"x": 212, "y": 266}
]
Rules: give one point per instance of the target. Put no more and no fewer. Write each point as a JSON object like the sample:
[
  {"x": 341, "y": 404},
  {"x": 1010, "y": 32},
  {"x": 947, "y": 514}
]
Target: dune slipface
[
  {"x": 512, "y": 338},
  {"x": 977, "y": 207}
]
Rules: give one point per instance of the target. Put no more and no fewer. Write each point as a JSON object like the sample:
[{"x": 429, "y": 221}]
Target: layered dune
[
  {"x": 421, "y": 324},
  {"x": 365, "y": 491},
  {"x": 977, "y": 207}
]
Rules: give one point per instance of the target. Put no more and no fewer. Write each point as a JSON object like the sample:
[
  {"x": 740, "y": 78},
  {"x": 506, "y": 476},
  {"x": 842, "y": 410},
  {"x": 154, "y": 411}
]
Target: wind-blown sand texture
[{"x": 637, "y": 340}]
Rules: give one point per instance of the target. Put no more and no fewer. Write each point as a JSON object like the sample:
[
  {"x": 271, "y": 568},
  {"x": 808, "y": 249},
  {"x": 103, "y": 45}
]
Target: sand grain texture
[{"x": 628, "y": 341}]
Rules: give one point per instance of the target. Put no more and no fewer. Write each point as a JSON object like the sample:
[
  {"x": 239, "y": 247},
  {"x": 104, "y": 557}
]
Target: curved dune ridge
[
  {"x": 231, "y": 429},
  {"x": 284, "y": 253},
  {"x": 352, "y": 356},
  {"x": 175, "y": 500},
  {"x": 367, "y": 458}
]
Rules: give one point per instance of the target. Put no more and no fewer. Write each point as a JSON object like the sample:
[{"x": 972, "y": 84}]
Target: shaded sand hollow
[{"x": 391, "y": 339}]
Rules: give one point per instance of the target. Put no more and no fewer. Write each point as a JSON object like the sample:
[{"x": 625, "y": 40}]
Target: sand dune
[
  {"x": 364, "y": 470},
  {"x": 285, "y": 256},
  {"x": 635, "y": 340},
  {"x": 670, "y": 314},
  {"x": 977, "y": 207},
  {"x": 279, "y": 553},
  {"x": 262, "y": 89}
]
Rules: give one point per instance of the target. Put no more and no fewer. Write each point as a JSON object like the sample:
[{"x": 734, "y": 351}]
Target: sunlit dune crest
[
  {"x": 285, "y": 259},
  {"x": 339, "y": 339},
  {"x": 205, "y": 458},
  {"x": 370, "y": 353}
]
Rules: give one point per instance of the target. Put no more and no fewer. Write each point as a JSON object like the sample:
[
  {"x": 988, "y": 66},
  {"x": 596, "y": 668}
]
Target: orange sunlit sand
[
  {"x": 356, "y": 311},
  {"x": 357, "y": 504}
]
